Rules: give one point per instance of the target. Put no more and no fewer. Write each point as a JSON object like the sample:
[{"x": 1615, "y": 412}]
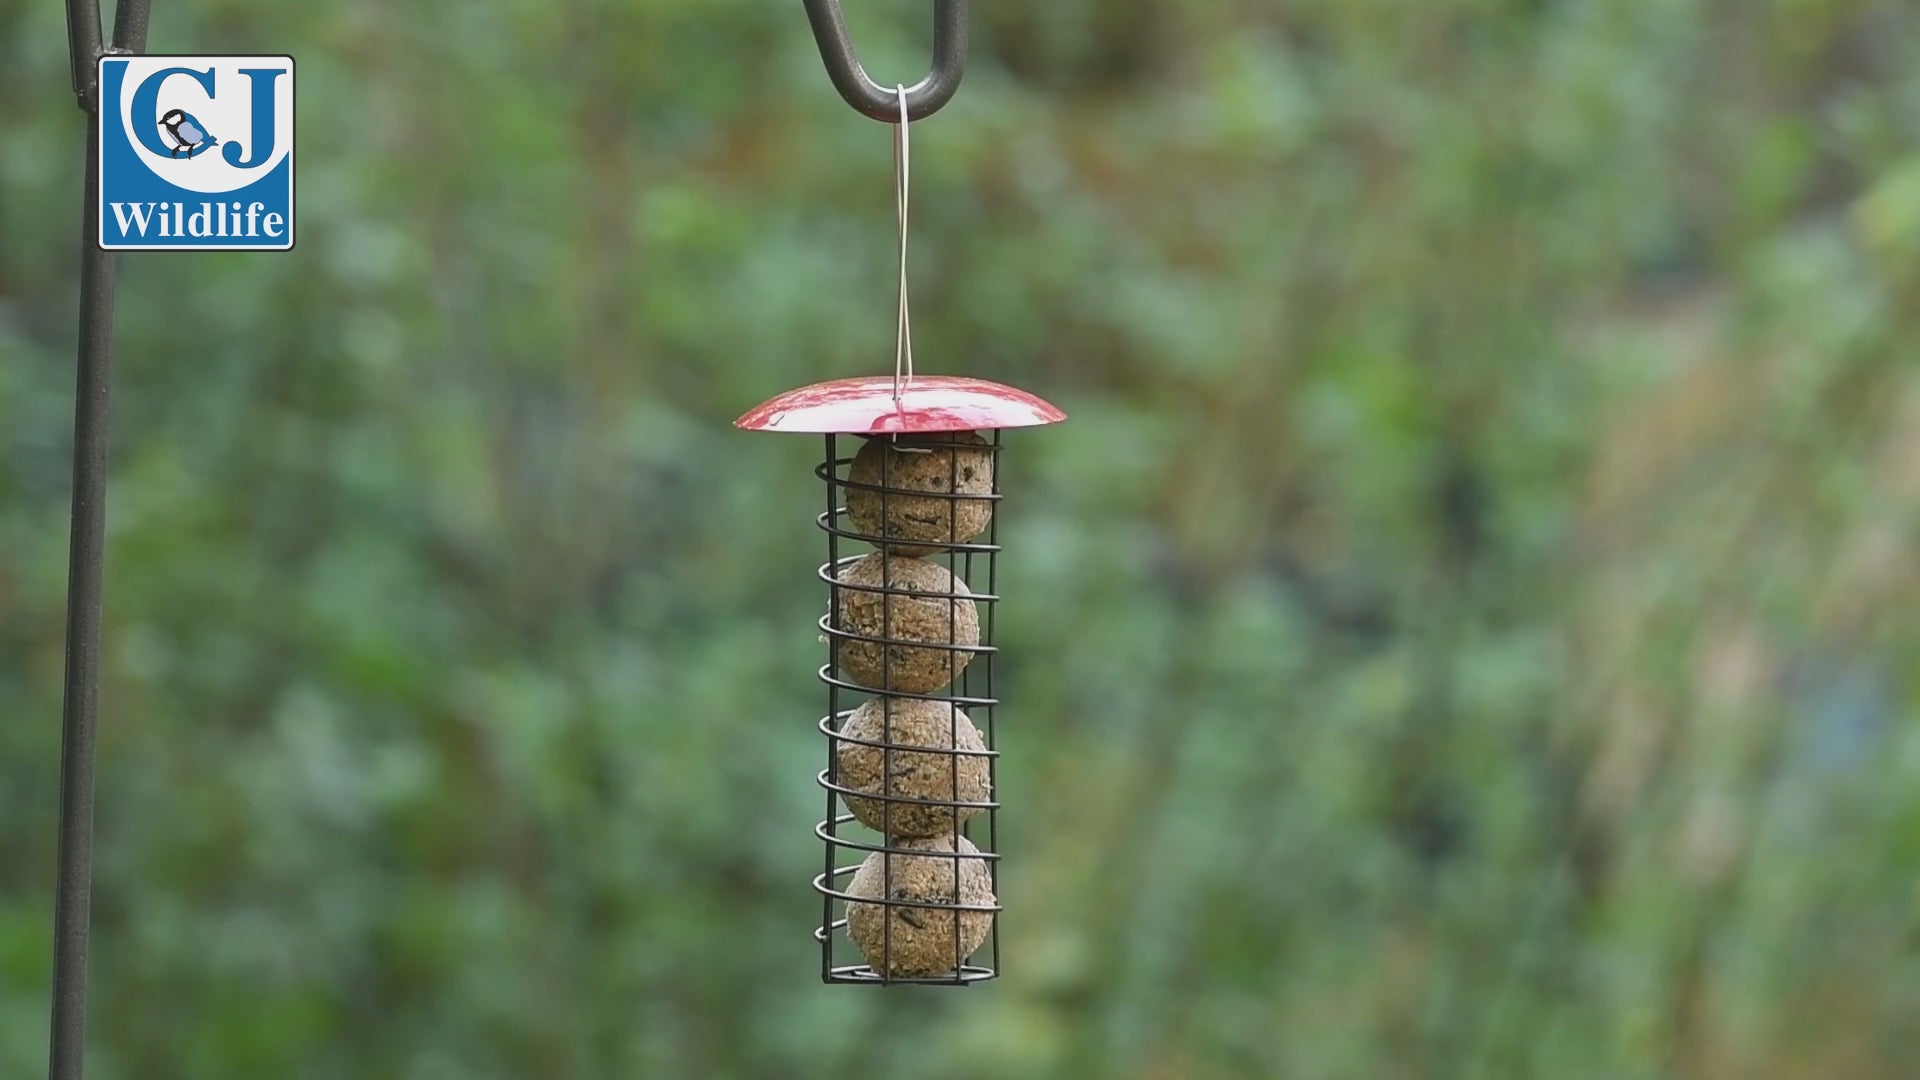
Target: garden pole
[{"x": 66, "y": 1058}]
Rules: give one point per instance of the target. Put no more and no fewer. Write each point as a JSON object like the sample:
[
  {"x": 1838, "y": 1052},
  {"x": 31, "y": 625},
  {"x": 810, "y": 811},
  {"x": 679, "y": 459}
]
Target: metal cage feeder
[{"x": 911, "y": 830}]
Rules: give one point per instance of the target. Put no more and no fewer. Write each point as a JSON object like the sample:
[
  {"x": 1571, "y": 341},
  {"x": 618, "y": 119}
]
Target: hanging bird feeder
[{"x": 909, "y": 883}]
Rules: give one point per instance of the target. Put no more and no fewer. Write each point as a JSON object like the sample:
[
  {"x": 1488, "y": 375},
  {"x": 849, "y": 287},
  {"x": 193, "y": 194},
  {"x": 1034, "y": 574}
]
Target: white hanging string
[{"x": 903, "y": 338}]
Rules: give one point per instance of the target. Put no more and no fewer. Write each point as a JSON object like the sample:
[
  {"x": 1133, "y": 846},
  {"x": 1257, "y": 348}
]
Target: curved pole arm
[
  {"x": 85, "y": 45},
  {"x": 925, "y": 97}
]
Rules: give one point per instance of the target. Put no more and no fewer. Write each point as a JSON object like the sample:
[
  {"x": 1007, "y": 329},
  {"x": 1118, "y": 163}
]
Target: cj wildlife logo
[{"x": 196, "y": 153}]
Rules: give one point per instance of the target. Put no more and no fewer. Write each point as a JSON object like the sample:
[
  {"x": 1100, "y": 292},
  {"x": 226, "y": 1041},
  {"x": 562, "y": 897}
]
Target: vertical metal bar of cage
[
  {"x": 887, "y": 656},
  {"x": 986, "y": 638},
  {"x": 954, "y": 585},
  {"x": 957, "y": 685},
  {"x": 86, "y": 552},
  {"x": 833, "y": 710}
]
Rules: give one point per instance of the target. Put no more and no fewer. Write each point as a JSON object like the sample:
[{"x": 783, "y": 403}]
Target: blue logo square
[{"x": 196, "y": 153}]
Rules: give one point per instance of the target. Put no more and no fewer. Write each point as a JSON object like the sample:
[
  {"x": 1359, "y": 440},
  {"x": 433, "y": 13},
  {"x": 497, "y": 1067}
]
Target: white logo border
[{"x": 100, "y": 147}]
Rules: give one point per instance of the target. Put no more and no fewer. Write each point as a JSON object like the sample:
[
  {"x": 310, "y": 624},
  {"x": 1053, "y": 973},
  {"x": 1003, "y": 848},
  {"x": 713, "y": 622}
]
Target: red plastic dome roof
[{"x": 927, "y": 403}]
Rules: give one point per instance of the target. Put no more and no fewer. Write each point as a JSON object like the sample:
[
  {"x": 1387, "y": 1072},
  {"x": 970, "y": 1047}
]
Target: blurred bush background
[{"x": 1466, "y": 629}]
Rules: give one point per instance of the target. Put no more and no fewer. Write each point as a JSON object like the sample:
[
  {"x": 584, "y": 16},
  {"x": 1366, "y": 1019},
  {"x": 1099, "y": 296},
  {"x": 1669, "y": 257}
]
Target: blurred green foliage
[{"x": 1464, "y": 631}]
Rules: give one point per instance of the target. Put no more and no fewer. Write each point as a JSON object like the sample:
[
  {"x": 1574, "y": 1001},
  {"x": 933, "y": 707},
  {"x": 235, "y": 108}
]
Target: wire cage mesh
[{"x": 911, "y": 827}]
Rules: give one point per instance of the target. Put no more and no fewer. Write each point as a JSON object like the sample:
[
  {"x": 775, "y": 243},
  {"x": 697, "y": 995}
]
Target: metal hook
[{"x": 925, "y": 97}]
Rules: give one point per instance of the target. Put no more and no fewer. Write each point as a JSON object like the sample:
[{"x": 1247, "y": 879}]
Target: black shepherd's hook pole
[
  {"x": 925, "y": 97},
  {"x": 85, "y": 557}
]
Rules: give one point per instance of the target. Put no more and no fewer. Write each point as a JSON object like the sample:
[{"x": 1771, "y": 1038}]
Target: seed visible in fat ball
[
  {"x": 915, "y": 515},
  {"x": 910, "y": 774},
  {"x": 919, "y": 941},
  {"x": 926, "y": 636}
]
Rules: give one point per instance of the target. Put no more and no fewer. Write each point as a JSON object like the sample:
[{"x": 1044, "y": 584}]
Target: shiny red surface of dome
[{"x": 866, "y": 405}]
